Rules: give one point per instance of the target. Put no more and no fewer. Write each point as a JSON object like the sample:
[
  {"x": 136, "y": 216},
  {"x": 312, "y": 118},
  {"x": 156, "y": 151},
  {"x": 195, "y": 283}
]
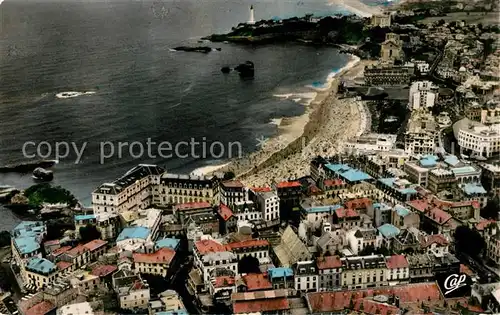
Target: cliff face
[{"x": 328, "y": 30}]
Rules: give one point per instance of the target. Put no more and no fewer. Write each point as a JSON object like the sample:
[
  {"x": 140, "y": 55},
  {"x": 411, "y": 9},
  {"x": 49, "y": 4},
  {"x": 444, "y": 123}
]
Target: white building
[
  {"x": 151, "y": 219},
  {"x": 246, "y": 211},
  {"x": 398, "y": 270},
  {"x": 481, "y": 140},
  {"x": 371, "y": 142},
  {"x": 422, "y": 66},
  {"x": 269, "y": 204},
  {"x": 210, "y": 255},
  {"x": 306, "y": 276},
  {"x": 423, "y": 94},
  {"x": 137, "y": 189},
  {"x": 421, "y": 134}
]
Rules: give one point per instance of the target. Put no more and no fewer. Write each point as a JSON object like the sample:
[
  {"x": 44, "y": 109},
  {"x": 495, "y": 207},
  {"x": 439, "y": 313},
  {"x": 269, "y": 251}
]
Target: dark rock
[
  {"x": 27, "y": 167},
  {"x": 246, "y": 69},
  {"x": 42, "y": 174},
  {"x": 225, "y": 69},
  {"x": 202, "y": 49}
]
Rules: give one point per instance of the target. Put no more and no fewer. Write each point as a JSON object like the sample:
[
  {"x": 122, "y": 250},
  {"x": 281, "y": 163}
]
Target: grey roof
[
  {"x": 291, "y": 249},
  {"x": 130, "y": 177}
]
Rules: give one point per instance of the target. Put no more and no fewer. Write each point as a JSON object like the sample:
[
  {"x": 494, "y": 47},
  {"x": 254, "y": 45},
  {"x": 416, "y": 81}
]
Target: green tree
[
  {"x": 89, "y": 233},
  {"x": 228, "y": 175},
  {"x": 4, "y": 238},
  {"x": 469, "y": 241},
  {"x": 492, "y": 208},
  {"x": 45, "y": 193}
]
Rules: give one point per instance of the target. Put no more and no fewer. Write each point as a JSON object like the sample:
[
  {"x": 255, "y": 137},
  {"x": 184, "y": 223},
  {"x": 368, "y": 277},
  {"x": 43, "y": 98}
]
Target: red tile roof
[
  {"x": 261, "y": 189},
  {"x": 333, "y": 182},
  {"x": 162, "y": 256},
  {"x": 233, "y": 184},
  {"x": 247, "y": 244},
  {"x": 255, "y": 306},
  {"x": 346, "y": 213},
  {"x": 50, "y": 243},
  {"x": 339, "y": 300},
  {"x": 209, "y": 246},
  {"x": 77, "y": 251},
  {"x": 435, "y": 238},
  {"x": 373, "y": 307},
  {"x": 41, "y": 308},
  {"x": 288, "y": 184},
  {"x": 192, "y": 206},
  {"x": 224, "y": 212},
  {"x": 439, "y": 216},
  {"x": 359, "y": 203},
  {"x": 62, "y": 265},
  {"x": 465, "y": 269},
  {"x": 224, "y": 281},
  {"x": 483, "y": 224},
  {"x": 397, "y": 261},
  {"x": 328, "y": 262},
  {"x": 95, "y": 244},
  {"x": 103, "y": 270},
  {"x": 60, "y": 250},
  {"x": 419, "y": 205},
  {"x": 257, "y": 281}
]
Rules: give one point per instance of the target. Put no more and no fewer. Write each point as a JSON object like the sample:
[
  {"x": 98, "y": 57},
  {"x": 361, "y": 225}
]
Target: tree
[
  {"x": 248, "y": 264},
  {"x": 89, "y": 233},
  {"x": 491, "y": 210},
  {"x": 351, "y": 304},
  {"x": 228, "y": 175},
  {"x": 469, "y": 241},
  {"x": 4, "y": 238},
  {"x": 45, "y": 193}
]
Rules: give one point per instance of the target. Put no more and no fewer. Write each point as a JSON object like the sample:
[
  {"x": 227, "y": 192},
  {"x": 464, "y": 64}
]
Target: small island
[{"x": 201, "y": 49}]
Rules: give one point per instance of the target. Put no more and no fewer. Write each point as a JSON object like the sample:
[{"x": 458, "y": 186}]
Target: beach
[{"x": 321, "y": 130}]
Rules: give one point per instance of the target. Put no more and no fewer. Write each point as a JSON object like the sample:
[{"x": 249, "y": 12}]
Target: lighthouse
[{"x": 252, "y": 19}]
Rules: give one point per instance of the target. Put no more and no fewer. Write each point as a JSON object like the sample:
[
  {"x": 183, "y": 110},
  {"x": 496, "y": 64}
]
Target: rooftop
[
  {"x": 63, "y": 265},
  {"x": 192, "y": 206},
  {"x": 171, "y": 243},
  {"x": 257, "y": 281},
  {"x": 402, "y": 211},
  {"x": 224, "y": 281},
  {"x": 318, "y": 209},
  {"x": 261, "y": 189},
  {"x": 161, "y": 256},
  {"x": 247, "y": 244},
  {"x": 261, "y": 306},
  {"x": 84, "y": 217},
  {"x": 329, "y": 262},
  {"x": 209, "y": 246},
  {"x": 288, "y": 184},
  {"x": 474, "y": 189},
  {"x": 232, "y": 184},
  {"x": 397, "y": 261},
  {"x": 95, "y": 244},
  {"x": 103, "y": 270},
  {"x": 26, "y": 244},
  {"x": 130, "y": 177},
  {"x": 346, "y": 213},
  {"x": 133, "y": 232},
  {"x": 225, "y": 212},
  {"x": 40, "y": 265},
  {"x": 76, "y": 251},
  {"x": 41, "y": 308},
  {"x": 388, "y": 230},
  {"x": 280, "y": 272}
]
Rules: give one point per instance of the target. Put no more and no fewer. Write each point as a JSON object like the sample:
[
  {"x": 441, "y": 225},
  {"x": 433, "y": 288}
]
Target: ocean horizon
[{"x": 121, "y": 52}]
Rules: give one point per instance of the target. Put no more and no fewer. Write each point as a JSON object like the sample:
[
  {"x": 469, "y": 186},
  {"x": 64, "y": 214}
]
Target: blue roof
[
  {"x": 388, "y": 230},
  {"x": 322, "y": 208},
  {"x": 84, "y": 217},
  {"x": 463, "y": 170},
  {"x": 402, "y": 211},
  {"x": 133, "y": 232},
  {"x": 390, "y": 181},
  {"x": 381, "y": 206},
  {"x": 29, "y": 228},
  {"x": 428, "y": 162},
  {"x": 431, "y": 157},
  {"x": 40, "y": 265},
  {"x": 452, "y": 160},
  {"x": 172, "y": 243},
  {"x": 280, "y": 272},
  {"x": 26, "y": 244},
  {"x": 354, "y": 175},
  {"x": 474, "y": 188},
  {"x": 337, "y": 167}
]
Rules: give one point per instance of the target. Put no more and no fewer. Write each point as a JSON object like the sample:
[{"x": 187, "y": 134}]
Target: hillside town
[{"x": 401, "y": 219}]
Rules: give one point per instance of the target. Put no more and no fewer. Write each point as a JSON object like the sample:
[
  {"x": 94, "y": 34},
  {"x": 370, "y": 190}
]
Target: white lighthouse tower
[{"x": 252, "y": 19}]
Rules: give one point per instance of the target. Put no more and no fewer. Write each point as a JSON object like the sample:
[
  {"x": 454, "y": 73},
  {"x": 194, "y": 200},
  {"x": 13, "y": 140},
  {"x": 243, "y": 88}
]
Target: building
[
  {"x": 40, "y": 272},
  {"x": 157, "y": 263},
  {"x": 232, "y": 191},
  {"x": 177, "y": 188},
  {"x": 291, "y": 249},
  {"x": 420, "y": 266},
  {"x": 246, "y": 211},
  {"x": 256, "y": 248},
  {"x": 184, "y": 210},
  {"x": 363, "y": 238},
  {"x": 347, "y": 218},
  {"x": 371, "y": 142},
  {"x": 133, "y": 238},
  {"x": 25, "y": 243},
  {"x": 398, "y": 270},
  {"x": 423, "y": 95},
  {"x": 396, "y": 190},
  {"x": 306, "y": 276},
  {"x": 150, "y": 219},
  {"x": 254, "y": 282},
  {"x": 421, "y": 134},
  {"x": 392, "y": 48},
  {"x": 441, "y": 179},
  {"x": 77, "y": 308},
  {"x": 491, "y": 177},
  {"x": 360, "y": 272},
  {"x": 84, "y": 281},
  {"x": 106, "y": 223},
  {"x": 329, "y": 272},
  {"x": 78, "y": 256},
  {"x": 403, "y": 218},
  {"x": 389, "y": 233},
  {"x": 210, "y": 255},
  {"x": 493, "y": 247},
  {"x": 388, "y": 74},
  {"x": 269, "y": 204},
  {"x": 479, "y": 139},
  {"x": 289, "y": 193},
  {"x": 261, "y": 302},
  {"x": 381, "y": 214},
  {"x": 169, "y": 302},
  {"x": 381, "y": 20},
  {"x": 316, "y": 215},
  {"x": 281, "y": 278},
  {"x": 133, "y": 293},
  {"x": 418, "y": 170},
  {"x": 137, "y": 189}
]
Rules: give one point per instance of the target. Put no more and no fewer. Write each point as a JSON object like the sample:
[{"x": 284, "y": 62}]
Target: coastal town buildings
[
  {"x": 421, "y": 134},
  {"x": 422, "y": 95},
  {"x": 178, "y": 188}
]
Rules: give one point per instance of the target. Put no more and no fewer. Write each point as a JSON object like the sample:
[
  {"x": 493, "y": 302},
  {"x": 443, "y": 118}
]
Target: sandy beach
[{"x": 326, "y": 123}]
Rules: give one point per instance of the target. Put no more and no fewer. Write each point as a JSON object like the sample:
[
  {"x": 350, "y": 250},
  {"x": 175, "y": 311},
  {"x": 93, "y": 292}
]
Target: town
[{"x": 404, "y": 218}]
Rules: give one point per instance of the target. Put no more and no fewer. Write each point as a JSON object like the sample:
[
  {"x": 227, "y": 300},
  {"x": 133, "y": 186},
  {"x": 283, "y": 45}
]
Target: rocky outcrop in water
[
  {"x": 27, "y": 167},
  {"x": 201, "y": 49},
  {"x": 246, "y": 69}
]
